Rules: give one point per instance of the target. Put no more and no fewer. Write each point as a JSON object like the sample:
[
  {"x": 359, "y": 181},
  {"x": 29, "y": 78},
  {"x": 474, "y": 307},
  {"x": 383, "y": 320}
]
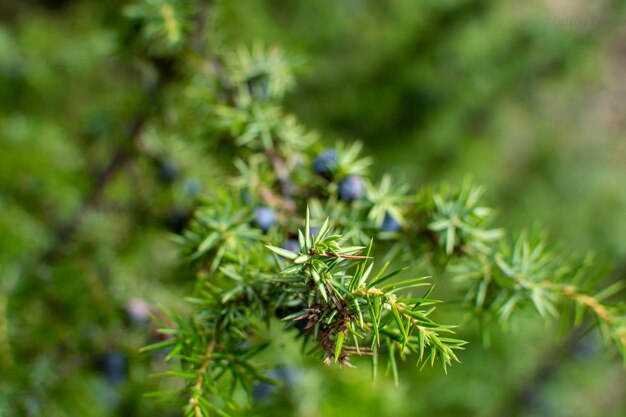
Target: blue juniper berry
[
  {"x": 264, "y": 218},
  {"x": 390, "y": 224},
  {"x": 113, "y": 366},
  {"x": 258, "y": 86},
  {"x": 326, "y": 163},
  {"x": 292, "y": 245},
  {"x": 351, "y": 188},
  {"x": 193, "y": 186},
  {"x": 168, "y": 171}
]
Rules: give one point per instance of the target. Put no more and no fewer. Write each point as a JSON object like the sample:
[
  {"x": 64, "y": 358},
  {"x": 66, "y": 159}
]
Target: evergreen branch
[
  {"x": 344, "y": 296},
  {"x": 599, "y": 309},
  {"x": 615, "y": 322},
  {"x": 529, "y": 274},
  {"x": 327, "y": 289},
  {"x": 64, "y": 233}
]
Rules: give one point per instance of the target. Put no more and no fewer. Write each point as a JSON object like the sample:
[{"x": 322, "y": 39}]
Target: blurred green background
[{"x": 529, "y": 99}]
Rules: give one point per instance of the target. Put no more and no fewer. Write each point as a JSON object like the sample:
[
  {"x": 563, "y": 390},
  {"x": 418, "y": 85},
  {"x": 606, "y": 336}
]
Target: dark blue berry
[
  {"x": 390, "y": 224},
  {"x": 264, "y": 218},
  {"x": 326, "y": 163},
  {"x": 113, "y": 366},
  {"x": 168, "y": 171},
  {"x": 351, "y": 188},
  {"x": 263, "y": 391},
  {"x": 246, "y": 197}
]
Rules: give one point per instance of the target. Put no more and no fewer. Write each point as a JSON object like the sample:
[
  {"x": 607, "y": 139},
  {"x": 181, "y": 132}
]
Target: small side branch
[{"x": 194, "y": 400}]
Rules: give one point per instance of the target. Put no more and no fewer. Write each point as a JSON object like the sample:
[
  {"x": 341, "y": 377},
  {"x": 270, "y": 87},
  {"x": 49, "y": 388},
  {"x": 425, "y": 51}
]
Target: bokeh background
[{"x": 529, "y": 99}]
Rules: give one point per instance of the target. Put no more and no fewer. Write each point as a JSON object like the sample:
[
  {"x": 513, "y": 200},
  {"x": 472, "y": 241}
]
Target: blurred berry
[
  {"x": 586, "y": 347},
  {"x": 292, "y": 245},
  {"x": 326, "y": 163},
  {"x": 246, "y": 197},
  {"x": 137, "y": 310},
  {"x": 390, "y": 224},
  {"x": 193, "y": 187},
  {"x": 263, "y": 392},
  {"x": 177, "y": 220},
  {"x": 532, "y": 401},
  {"x": 264, "y": 218},
  {"x": 113, "y": 366},
  {"x": 351, "y": 188},
  {"x": 258, "y": 86},
  {"x": 168, "y": 171}
]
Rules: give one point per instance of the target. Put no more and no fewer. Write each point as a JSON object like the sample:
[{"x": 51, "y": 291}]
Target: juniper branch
[{"x": 327, "y": 289}]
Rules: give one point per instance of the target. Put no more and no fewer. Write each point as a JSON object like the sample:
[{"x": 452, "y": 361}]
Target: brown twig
[{"x": 64, "y": 233}]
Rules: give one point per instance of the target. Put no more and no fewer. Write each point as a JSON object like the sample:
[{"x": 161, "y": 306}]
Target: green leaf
[
  {"x": 385, "y": 278},
  {"x": 307, "y": 229},
  {"x": 159, "y": 345},
  {"x": 320, "y": 284},
  {"x": 206, "y": 245},
  {"x": 339, "y": 345},
  {"x": 450, "y": 239},
  {"x": 392, "y": 363},
  {"x": 409, "y": 283},
  {"x": 212, "y": 407},
  {"x": 374, "y": 360},
  {"x": 301, "y": 240},
  {"x": 398, "y": 319},
  {"x": 323, "y": 231},
  {"x": 301, "y": 259},
  {"x": 283, "y": 252}
]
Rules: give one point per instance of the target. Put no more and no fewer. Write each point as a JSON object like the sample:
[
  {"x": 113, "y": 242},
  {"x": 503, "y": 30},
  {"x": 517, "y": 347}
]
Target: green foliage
[
  {"x": 351, "y": 301},
  {"x": 165, "y": 24},
  {"x": 171, "y": 123},
  {"x": 460, "y": 221}
]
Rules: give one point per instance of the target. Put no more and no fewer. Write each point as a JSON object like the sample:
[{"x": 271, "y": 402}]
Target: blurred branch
[
  {"x": 123, "y": 155},
  {"x": 129, "y": 148},
  {"x": 524, "y": 396},
  {"x": 5, "y": 346}
]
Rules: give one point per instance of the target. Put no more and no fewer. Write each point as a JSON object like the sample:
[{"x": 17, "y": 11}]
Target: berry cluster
[{"x": 350, "y": 189}]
